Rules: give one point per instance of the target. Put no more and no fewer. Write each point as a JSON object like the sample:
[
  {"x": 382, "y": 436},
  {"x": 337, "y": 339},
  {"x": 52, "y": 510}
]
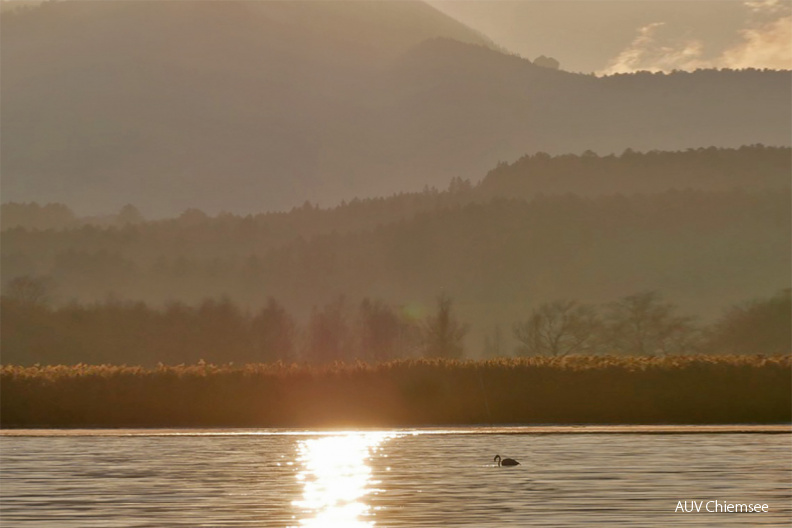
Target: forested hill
[
  {"x": 703, "y": 249},
  {"x": 749, "y": 168},
  {"x": 249, "y": 106}
]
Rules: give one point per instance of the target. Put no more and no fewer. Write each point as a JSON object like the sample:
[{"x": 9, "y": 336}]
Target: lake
[{"x": 569, "y": 476}]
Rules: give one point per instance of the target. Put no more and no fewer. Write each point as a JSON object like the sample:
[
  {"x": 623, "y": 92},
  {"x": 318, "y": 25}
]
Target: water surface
[{"x": 568, "y": 477}]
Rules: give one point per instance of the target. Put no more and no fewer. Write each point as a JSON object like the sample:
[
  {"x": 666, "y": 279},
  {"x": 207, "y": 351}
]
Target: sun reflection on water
[{"x": 336, "y": 478}]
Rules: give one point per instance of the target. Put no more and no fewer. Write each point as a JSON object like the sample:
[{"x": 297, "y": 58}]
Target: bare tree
[
  {"x": 443, "y": 335},
  {"x": 761, "y": 326},
  {"x": 329, "y": 333},
  {"x": 29, "y": 289},
  {"x": 557, "y": 329},
  {"x": 642, "y": 324},
  {"x": 273, "y": 332},
  {"x": 379, "y": 331}
]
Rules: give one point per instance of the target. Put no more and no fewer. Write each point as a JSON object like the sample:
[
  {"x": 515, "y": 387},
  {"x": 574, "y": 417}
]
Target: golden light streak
[{"x": 336, "y": 478}]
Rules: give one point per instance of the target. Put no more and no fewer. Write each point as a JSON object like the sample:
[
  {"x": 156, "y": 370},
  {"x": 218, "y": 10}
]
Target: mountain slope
[{"x": 250, "y": 106}]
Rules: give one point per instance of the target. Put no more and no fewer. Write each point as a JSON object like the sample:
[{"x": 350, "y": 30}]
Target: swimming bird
[{"x": 505, "y": 461}]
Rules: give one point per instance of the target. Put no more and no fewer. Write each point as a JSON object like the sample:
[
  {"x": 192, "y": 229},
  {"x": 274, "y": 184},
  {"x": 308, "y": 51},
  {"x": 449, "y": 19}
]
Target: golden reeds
[{"x": 573, "y": 389}]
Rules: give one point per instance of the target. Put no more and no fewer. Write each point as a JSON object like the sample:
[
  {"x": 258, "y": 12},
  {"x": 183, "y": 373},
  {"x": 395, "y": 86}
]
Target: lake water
[{"x": 568, "y": 476}]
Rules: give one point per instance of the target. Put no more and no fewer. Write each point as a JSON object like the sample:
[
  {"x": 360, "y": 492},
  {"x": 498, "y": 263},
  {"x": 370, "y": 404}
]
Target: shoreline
[{"x": 665, "y": 429}]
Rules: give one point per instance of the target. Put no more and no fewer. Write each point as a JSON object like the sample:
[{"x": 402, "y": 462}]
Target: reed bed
[{"x": 575, "y": 389}]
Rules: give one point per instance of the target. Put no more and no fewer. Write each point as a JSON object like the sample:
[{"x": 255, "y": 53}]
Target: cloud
[
  {"x": 764, "y": 42},
  {"x": 654, "y": 50},
  {"x": 765, "y": 6},
  {"x": 768, "y": 46}
]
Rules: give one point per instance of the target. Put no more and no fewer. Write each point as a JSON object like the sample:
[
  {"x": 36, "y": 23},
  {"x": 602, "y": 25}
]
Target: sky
[{"x": 619, "y": 36}]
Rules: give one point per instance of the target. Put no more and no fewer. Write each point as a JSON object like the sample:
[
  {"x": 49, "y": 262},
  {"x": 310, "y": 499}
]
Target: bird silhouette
[{"x": 505, "y": 461}]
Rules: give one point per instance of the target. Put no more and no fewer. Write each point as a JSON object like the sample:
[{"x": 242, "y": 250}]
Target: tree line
[
  {"x": 689, "y": 244},
  {"x": 219, "y": 331},
  {"x": 644, "y": 325}
]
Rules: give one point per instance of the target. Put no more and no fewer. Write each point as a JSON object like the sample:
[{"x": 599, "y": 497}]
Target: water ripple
[{"x": 394, "y": 478}]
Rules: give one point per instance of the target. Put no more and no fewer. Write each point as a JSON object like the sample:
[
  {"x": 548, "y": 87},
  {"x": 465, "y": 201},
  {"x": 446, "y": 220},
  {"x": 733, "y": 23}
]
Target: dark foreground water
[{"x": 568, "y": 477}]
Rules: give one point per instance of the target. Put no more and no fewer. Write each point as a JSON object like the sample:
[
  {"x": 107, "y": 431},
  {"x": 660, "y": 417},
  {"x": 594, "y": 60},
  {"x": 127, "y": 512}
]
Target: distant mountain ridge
[
  {"x": 254, "y": 106},
  {"x": 754, "y": 168}
]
